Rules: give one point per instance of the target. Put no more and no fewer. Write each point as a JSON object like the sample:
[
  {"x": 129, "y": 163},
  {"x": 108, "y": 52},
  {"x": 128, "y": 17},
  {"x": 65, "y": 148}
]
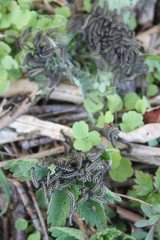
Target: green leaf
[
  {"x": 123, "y": 171},
  {"x": 111, "y": 196},
  {"x": 8, "y": 63},
  {"x": 114, "y": 155},
  {"x": 131, "y": 120},
  {"x": 152, "y": 64},
  {"x": 93, "y": 103},
  {"x": 150, "y": 78},
  {"x": 141, "y": 223},
  {"x": 152, "y": 90},
  {"x": 147, "y": 102},
  {"x": 4, "y": 49},
  {"x": 64, "y": 11},
  {"x": 154, "y": 219},
  {"x": 59, "y": 210},
  {"x": 139, "y": 235},
  {"x": 153, "y": 198},
  {"x": 87, "y": 5},
  {"x": 40, "y": 199},
  {"x": 157, "y": 75},
  {"x": 65, "y": 232},
  {"x": 94, "y": 137},
  {"x": 3, "y": 80},
  {"x": 108, "y": 117},
  {"x": 127, "y": 237},
  {"x": 24, "y": 3},
  {"x": 14, "y": 74},
  {"x": 115, "y": 103},
  {"x": 6, "y": 187},
  {"x": 4, "y": 3},
  {"x": 156, "y": 208},
  {"x": 130, "y": 100},
  {"x": 131, "y": 21},
  {"x": 75, "y": 190},
  {"x": 150, "y": 234},
  {"x": 96, "y": 216},
  {"x": 108, "y": 234},
  {"x": 34, "y": 236},
  {"x": 21, "y": 224},
  {"x": 19, "y": 17},
  {"x": 100, "y": 122},
  {"x": 83, "y": 145},
  {"x": 21, "y": 168},
  {"x": 152, "y": 57},
  {"x": 141, "y": 106},
  {"x": 80, "y": 130},
  {"x": 52, "y": 168},
  {"x": 147, "y": 210},
  {"x": 157, "y": 180},
  {"x": 145, "y": 183}
]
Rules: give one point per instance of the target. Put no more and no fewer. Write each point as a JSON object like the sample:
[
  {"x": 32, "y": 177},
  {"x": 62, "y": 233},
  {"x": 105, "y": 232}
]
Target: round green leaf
[
  {"x": 123, "y": 171},
  {"x": 21, "y": 224},
  {"x": 82, "y": 145},
  {"x": 34, "y": 236},
  {"x": 3, "y": 80},
  {"x": 80, "y": 130},
  {"x": 131, "y": 120},
  {"x": 4, "y": 49},
  {"x": 19, "y": 17},
  {"x": 109, "y": 118},
  {"x": 93, "y": 103},
  {"x": 130, "y": 100},
  {"x": 150, "y": 78},
  {"x": 152, "y": 90},
  {"x": 115, "y": 103},
  {"x": 8, "y": 63},
  {"x": 141, "y": 106},
  {"x": 94, "y": 138}
]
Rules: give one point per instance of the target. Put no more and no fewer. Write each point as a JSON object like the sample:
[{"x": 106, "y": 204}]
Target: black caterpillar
[
  {"x": 106, "y": 34},
  {"x": 85, "y": 169},
  {"x": 48, "y": 61}
]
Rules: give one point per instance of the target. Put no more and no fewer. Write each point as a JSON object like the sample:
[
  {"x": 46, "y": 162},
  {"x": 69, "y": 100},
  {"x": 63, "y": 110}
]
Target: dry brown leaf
[{"x": 29, "y": 124}]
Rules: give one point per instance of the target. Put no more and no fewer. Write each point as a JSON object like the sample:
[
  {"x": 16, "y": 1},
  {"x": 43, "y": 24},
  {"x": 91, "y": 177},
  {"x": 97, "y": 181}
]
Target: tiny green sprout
[{"x": 107, "y": 118}]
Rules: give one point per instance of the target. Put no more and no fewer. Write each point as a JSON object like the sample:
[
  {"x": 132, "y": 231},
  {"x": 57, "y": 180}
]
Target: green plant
[
  {"x": 146, "y": 188},
  {"x": 153, "y": 215}
]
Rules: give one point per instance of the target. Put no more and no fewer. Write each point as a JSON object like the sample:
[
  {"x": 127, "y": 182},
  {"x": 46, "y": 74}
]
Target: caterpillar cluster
[
  {"x": 84, "y": 169},
  {"x": 48, "y": 61},
  {"x": 105, "y": 33}
]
